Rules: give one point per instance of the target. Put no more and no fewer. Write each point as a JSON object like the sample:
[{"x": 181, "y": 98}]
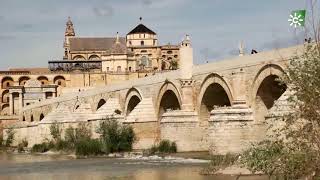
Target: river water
[{"x": 59, "y": 167}]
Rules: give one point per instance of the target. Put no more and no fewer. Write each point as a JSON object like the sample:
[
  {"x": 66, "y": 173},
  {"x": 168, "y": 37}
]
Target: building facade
[{"x": 87, "y": 62}]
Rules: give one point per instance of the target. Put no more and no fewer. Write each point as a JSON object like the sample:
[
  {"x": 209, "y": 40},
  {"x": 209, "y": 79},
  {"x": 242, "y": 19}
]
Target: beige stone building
[{"x": 87, "y": 62}]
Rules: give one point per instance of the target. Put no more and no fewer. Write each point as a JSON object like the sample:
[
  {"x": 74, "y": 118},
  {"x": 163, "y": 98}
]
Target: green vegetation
[
  {"x": 114, "y": 137},
  {"x": 293, "y": 151},
  {"x": 165, "y": 146},
  {"x": 22, "y": 145},
  {"x": 220, "y": 161},
  {"x": 89, "y": 147},
  {"x": 10, "y": 137},
  {"x": 41, "y": 148}
]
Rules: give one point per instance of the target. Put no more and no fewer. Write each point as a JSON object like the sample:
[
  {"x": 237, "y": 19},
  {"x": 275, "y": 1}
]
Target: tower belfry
[
  {"x": 69, "y": 28},
  {"x": 69, "y": 33}
]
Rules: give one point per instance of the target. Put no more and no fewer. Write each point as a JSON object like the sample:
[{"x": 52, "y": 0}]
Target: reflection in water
[{"x": 42, "y": 167}]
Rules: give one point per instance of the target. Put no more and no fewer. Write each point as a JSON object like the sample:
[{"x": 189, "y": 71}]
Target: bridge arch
[
  {"x": 266, "y": 89},
  {"x": 214, "y": 91},
  {"x": 133, "y": 98},
  {"x": 169, "y": 97}
]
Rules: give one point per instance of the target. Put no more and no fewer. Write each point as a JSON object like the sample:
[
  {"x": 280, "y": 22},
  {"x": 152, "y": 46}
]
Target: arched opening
[
  {"x": 79, "y": 57},
  {"x": 23, "y": 118},
  {"x": 213, "y": 97},
  {"x": 94, "y": 57},
  {"x": 133, "y": 102},
  {"x": 44, "y": 80},
  {"x": 60, "y": 81},
  {"x": 142, "y": 43},
  {"x": 169, "y": 101},
  {"x": 101, "y": 103},
  {"x": 6, "y": 82},
  {"x": 23, "y": 80},
  {"x": 5, "y": 96},
  {"x": 41, "y": 117},
  {"x": 268, "y": 92},
  {"x": 31, "y": 118}
]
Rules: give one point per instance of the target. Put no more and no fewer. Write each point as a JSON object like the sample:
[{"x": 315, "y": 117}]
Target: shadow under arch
[
  {"x": 133, "y": 98},
  {"x": 169, "y": 97},
  {"x": 214, "y": 91},
  {"x": 266, "y": 89}
]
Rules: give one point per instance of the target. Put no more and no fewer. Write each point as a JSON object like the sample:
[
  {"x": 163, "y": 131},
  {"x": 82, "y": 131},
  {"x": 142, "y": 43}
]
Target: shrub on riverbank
[
  {"x": 10, "y": 137},
  {"x": 22, "y": 145},
  {"x": 88, "y": 147},
  {"x": 219, "y": 162},
  {"x": 165, "y": 146},
  {"x": 115, "y": 136},
  {"x": 40, "y": 148}
]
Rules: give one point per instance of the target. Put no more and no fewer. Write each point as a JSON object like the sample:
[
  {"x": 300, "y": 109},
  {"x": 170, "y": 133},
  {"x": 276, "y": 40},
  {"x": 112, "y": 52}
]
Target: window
[
  {"x": 59, "y": 83},
  {"x": 154, "y": 42},
  {"x": 107, "y": 69},
  {"x": 130, "y": 43},
  {"x": 175, "y": 56},
  {"x": 129, "y": 69},
  {"x": 142, "y": 43},
  {"x": 8, "y": 84},
  {"x": 144, "y": 35},
  {"x": 144, "y": 61},
  {"x": 169, "y": 52},
  {"x": 143, "y": 51},
  {"x": 118, "y": 68}
]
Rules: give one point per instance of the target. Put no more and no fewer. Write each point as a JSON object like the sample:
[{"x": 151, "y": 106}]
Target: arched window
[
  {"x": 79, "y": 57},
  {"x": 118, "y": 68},
  {"x": 43, "y": 80},
  {"x": 129, "y": 69},
  {"x": 144, "y": 60},
  {"x": 142, "y": 43},
  {"x": 94, "y": 57},
  {"x": 60, "y": 80},
  {"x": 6, "y": 82},
  {"x": 23, "y": 80},
  {"x": 31, "y": 118}
]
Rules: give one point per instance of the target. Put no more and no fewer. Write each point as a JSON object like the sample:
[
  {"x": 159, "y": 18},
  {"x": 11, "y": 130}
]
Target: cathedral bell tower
[{"x": 69, "y": 33}]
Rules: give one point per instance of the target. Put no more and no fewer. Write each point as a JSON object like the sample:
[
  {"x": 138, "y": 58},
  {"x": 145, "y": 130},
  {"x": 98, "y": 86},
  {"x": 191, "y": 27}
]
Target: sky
[{"x": 32, "y": 31}]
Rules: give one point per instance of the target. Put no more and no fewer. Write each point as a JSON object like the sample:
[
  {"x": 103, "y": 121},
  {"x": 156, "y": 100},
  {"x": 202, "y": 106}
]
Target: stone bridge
[{"x": 219, "y": 106}]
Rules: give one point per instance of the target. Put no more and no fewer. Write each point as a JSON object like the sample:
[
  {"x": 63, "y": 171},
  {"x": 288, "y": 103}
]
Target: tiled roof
[
  {"x": 93, "y": 44},
  {"x": 141, "y": 29}
]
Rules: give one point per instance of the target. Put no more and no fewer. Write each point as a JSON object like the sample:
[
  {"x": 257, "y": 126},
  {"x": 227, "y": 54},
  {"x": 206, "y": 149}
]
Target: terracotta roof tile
[{"x": 93, "y": 44}]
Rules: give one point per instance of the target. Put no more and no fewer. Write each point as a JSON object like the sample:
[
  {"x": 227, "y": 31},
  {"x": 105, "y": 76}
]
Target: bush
[
  {"x": 165, "y": 146},
  {"x": 10, "y": 137},
  {"x": 55, "y": 131},
  {"x": 23, "y": 144},
  {"x": 88, "y": 147},
  {"x": 41, "y": 148},
  {"x": 74, "y": 135},
  {"x": 116, "y": 137},
  {"x": 220, "y": 161}
]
